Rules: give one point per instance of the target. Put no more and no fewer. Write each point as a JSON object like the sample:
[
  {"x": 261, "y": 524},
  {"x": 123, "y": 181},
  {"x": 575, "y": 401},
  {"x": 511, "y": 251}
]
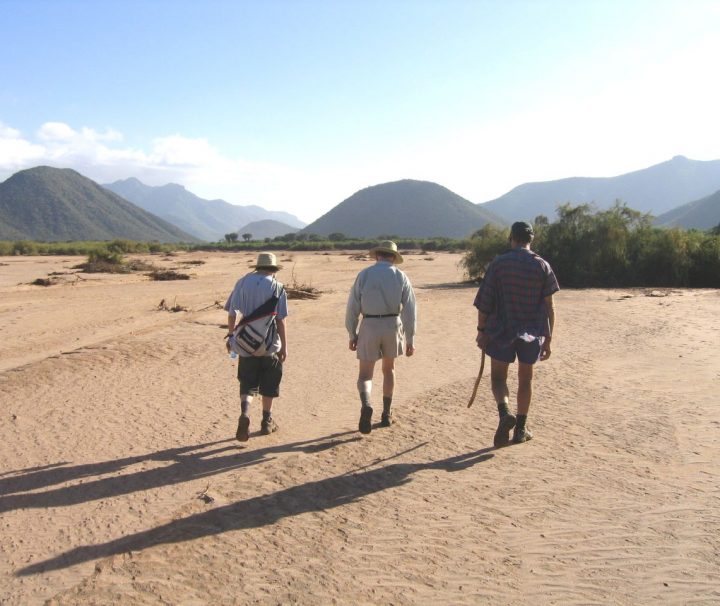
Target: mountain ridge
[
  {"x": 656, "y": 189},
  {"x": 699, "y": 214},
  {"x": 55, "y": 204},
  {"x": 267, "y": 228},
  {"x": 205, "y": 219},
  {"x": 406, "y": 208}
]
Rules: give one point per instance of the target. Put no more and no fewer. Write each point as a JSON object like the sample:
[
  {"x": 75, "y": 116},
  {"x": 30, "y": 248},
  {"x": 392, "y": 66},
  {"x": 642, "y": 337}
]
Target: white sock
[{"x": 364, "y": 389}]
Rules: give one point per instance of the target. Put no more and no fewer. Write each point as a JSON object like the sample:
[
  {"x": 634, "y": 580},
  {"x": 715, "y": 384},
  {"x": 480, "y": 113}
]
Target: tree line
[{"x": 617, "y": 247}]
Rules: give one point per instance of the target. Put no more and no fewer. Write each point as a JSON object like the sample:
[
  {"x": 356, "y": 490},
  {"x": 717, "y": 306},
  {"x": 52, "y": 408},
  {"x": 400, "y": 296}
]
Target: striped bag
[{"x": 256, "y": 332}]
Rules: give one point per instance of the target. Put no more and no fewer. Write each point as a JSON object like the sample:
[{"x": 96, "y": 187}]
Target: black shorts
[{"x": 262, "y": 374}]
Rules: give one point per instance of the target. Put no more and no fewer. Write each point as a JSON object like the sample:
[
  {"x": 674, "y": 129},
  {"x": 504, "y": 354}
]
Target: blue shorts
[{"x": 527, "y": 353}]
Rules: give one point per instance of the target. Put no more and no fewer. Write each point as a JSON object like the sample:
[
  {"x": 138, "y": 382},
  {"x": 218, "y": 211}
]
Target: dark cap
[{"x": 522, "y": 231}]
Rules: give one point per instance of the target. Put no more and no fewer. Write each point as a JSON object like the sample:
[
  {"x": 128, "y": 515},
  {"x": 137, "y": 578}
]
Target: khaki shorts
[{"x": 380, "y": 338}]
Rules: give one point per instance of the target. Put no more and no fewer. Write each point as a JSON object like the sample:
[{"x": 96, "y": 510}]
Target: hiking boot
[
  {"x": 268, "y": 427},
  {"x": 521, "y": 436},
  {"x": 365, "y": 425},
  {"x": 502, "y": 434},
  {"x": 386, "y": 419},
  {"x": 243, "y": 430}
]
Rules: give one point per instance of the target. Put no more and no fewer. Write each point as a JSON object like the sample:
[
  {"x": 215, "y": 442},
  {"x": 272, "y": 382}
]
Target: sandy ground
[{"x": 118, "y": 418}]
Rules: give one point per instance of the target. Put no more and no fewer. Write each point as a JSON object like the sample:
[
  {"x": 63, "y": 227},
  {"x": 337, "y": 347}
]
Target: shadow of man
[
  {"x": 263, "y": 510},
  {"x": 188, "y": 463}
]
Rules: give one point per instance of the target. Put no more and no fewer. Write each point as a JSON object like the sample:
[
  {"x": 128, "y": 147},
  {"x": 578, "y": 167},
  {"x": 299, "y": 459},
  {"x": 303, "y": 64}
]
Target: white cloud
[
  {"x": 93, "y": 135},
  {"x": 15, "y": 152},
  {"x": 9, "y": 133},
  {"x": 56, "y": 131},
  {"x": 192, "y": 162},
  {"x": 177, "y": 150}
]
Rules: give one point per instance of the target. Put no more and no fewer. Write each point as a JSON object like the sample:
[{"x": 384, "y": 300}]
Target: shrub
[
  {"x": 167, "y": 274},
  {"x": 614, "y": 247}
]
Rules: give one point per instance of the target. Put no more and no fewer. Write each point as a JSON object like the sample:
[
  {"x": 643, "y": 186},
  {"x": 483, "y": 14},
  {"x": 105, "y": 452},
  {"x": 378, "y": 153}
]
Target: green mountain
[
  {"x": 51, "y": 204},
  {"x": 656, "y": 190},
  {"x": 267, "y": 228},
  {"x": 405, "y": 208},
  {"x": 701, "y": 214},
  {"x": 205, "y": 219}
]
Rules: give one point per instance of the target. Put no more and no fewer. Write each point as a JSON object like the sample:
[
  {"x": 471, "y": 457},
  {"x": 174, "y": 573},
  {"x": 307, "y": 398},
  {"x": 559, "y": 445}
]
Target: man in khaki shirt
[{"x": 383, "y": 295}]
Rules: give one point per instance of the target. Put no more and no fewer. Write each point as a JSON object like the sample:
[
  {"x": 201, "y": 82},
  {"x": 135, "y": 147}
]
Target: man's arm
[
  {"x": 352, "y": 313},
  {"x": 481, "y": 338},
  {"x": 282, "y": 333},
  {"x": 546, "y": 350},
  {"x": 408, "y": 316},
  {"x": 230, "y": 327}
]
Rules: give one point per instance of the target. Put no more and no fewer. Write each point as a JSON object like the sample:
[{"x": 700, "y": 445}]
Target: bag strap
[{"x": 266, "y": 309}]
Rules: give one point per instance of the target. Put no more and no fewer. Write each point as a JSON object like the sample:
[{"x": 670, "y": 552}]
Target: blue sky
[{"x": 295, "y": 105}]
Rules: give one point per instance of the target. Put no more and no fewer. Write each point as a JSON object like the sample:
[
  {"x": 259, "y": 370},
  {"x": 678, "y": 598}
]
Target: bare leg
[
  {"x": 524, "y": 394},
  {"x": 498, "y": 379},
  {"x": 388, "y": 369}
]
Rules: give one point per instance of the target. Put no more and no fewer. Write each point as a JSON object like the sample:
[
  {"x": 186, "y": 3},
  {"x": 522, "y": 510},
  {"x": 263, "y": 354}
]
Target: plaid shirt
[{"x": 512, "y": 296}]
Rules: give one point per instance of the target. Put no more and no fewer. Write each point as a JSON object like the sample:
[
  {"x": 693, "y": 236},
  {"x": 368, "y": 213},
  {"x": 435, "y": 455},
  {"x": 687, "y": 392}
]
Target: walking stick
[{"x": 477, "y": 381}]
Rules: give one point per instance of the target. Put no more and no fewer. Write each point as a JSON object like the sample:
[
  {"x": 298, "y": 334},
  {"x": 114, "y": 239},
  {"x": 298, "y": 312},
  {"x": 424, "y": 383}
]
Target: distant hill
[
  {"x": 405, "y": 208},
  {"x": 701, "y": 214},
  {"x": 656, "y": 189},
  {"x": 52, "y": 204},
  {"x": 267, "y": 228},
  {"x": 205, "y": 219}
]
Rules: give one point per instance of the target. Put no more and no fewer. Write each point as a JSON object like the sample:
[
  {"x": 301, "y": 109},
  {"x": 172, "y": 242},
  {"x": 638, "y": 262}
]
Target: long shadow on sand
[
  {"x": 186, "y": 463},
  {"x": 263, "y": 510}
]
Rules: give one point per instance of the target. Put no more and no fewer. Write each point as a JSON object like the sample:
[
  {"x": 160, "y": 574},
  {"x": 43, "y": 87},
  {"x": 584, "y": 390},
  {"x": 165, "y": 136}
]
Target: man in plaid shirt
[{"x": 516, "y": 318}]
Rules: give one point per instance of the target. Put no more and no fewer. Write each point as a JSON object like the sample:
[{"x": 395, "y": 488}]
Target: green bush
[
  {"x": 24, "y": 247},
  {"x": 485, "y": 245},
  {"x": 610, "y": 248}
]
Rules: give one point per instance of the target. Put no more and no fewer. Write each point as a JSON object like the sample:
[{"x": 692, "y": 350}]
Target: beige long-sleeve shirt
[{"x": 382, "y": 289}]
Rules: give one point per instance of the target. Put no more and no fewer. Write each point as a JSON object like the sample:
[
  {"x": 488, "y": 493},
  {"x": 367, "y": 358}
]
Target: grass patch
[
  {"x": 104, "y": 262},
  {"x": 42, "y": 282},
  {"x": 138, "y": 265},
  {"x": 102, "y": 267},
  {"x": 167, "y": 274}
]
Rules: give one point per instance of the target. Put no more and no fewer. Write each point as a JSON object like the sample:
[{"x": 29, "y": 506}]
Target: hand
[
  {"x": 353, "y": 345},
  {"x": 227, "y": 344},
  {"x": 409, "y": 350},
  {"x": 482, "y": 340},
  {"x": 545, "y": 349},
  {"x": 282, "y": 354}
]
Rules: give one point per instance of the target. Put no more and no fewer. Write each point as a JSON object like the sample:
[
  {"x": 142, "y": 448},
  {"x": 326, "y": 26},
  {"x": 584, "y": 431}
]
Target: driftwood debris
[
  {"x": 306, "y": 292},
  {"x": 298, "y": 290},
  {"x": 163, "y": 306}
]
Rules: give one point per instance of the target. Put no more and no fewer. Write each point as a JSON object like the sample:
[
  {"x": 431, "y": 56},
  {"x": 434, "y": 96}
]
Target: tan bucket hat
[
  {"x": 389, "y": 247},
  {"x": 267, "y": 260}
]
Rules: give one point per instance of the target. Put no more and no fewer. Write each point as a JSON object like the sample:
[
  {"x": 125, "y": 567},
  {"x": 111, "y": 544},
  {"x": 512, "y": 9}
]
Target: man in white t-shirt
[{"x": 263, "y": 373}]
